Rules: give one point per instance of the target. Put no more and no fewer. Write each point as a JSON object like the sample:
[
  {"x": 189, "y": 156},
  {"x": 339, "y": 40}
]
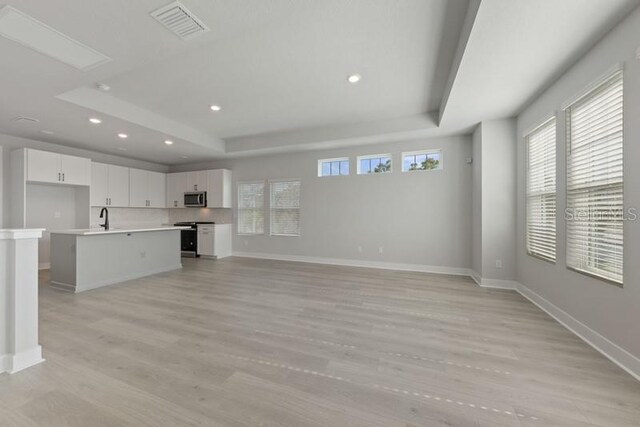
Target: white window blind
[
  {"x": 251, "y": 208},
  {"x": 595, "y": 205},
  {"x": 285, "y": 208},
  {"x": 541, "y": 191}
]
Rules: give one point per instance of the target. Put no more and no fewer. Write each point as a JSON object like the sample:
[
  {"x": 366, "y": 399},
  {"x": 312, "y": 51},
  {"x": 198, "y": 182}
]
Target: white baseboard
[
  {"x": 12, "y": 363},
  {"x": 3, "y": 362},
  {"x": 44, "y": 266},
  {"x": 610, "y": 350},
  {"x": 358, "y": 263},
  {"x": 492, "y": 283}
]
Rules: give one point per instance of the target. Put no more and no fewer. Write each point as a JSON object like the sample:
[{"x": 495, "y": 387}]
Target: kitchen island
[{"x": 86, "y": 259}]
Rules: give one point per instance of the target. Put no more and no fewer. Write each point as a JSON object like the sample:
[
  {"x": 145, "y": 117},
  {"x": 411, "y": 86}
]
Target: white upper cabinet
[
  {"x": 75, "y": 170},
  {"x": 176, "y": 187},
  {"x": 147, "y": 189},
  {"x": 138, "y": 188},
  {"x": 118, "y": 186},
  {"x": 43, "y": 166},
  {"x": 99, "y": 184},
  {"x": 109, "y": 185},
  {"x": 157, "y": 194},
  {"x": 196, "y": 181},
  {"x": 219, "y": 189}
]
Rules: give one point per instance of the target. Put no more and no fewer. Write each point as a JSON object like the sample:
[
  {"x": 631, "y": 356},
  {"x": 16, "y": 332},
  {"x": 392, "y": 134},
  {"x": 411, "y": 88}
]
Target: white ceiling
[{"x": 278, "y": 68}]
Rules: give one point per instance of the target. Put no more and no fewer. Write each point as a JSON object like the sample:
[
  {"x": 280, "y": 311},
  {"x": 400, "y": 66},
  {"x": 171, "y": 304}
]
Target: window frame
[
  {"x": 271, "y": 208},
  {"x": 588, "y": 93},
  {"x": 425, "y": 152},
  {"x": 337, "y": 159},
  {"x": 238, "y": 208},
  {"x": 373, "y": 156},
  {"x": 551, "y": 118}
]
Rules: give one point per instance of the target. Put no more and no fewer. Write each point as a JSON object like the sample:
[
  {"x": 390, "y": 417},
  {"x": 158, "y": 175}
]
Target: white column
[{"x": 19, "y": 348}]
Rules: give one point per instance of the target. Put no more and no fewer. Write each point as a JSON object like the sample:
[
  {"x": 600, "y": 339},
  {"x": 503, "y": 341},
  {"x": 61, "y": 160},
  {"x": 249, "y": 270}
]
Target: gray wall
[
  {"x": 51, "y": 207},
  {"x": 421, "y": 218},
  {"x": 476, "y": 202},
  {"x": 493, "y": 220},
  {"x": 1, "y": 188},
  {"x": 611, "y": 311},
  {"x": 498, "y": 199}
]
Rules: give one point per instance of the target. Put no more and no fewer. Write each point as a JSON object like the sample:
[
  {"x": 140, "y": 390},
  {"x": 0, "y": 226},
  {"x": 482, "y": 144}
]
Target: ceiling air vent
[
  {"x": 180, "y": 21},
  {"x": 24, "y": 119}
]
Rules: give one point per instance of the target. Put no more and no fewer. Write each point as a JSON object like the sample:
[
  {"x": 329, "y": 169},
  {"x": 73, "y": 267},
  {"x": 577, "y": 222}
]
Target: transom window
[
  {"x": 333, "y": 167},
  {"x": 422, "y": 160},
  {"x": 377, "y": 163}
]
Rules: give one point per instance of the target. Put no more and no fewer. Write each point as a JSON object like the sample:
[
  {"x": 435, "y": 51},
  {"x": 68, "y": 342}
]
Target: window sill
[
  {"x": 595, "y": 276},
  {"x": 540, "y": 257}
]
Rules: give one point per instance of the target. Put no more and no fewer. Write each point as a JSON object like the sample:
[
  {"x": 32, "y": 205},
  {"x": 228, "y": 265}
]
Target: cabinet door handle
[
  {"x": 109, "y": 201},
  {"x": 59, "y": 175},
  {"x": 63, "y": 177},
  {"x": 106, "y": 201}
]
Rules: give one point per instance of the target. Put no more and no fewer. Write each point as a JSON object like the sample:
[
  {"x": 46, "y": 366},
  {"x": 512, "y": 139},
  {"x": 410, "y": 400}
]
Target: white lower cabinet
[
  {"x": 214, "y": 240},
  {"x": 206, "y": 237}
]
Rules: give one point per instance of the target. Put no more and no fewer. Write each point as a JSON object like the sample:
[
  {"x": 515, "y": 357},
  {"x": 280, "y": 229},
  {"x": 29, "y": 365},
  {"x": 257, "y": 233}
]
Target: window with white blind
[
  {"x": 285, "y": 208},
  {"x": 251, "y": 207},
  {"x": 595, "y": 208},
  {"x": 541, "y": 191}
]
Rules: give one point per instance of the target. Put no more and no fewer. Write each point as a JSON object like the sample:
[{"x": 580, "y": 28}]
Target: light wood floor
[{"x": 240, "y": 342}]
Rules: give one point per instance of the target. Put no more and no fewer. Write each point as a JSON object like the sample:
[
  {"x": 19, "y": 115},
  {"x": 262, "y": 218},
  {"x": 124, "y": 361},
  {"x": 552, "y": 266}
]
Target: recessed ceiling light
[
  {"x": 215, "y": 108},
  {"x": 354, "y": 78},
  {"x": 47, "y": 132},
  {"x": 122, "y": 149},
  {"x": 168, "y": 142},
  {"x": 103, "y": 87},
  {"x": 123, "y": 135},
  {"x": 184, "y": 157},
  {"x": 95, "y": 121}
]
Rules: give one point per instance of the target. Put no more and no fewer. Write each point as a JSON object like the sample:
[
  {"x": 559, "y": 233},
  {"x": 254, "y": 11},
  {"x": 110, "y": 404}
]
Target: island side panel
[
  {"x": 63, "y": 261},
  {"x": 106, "y": 259}
]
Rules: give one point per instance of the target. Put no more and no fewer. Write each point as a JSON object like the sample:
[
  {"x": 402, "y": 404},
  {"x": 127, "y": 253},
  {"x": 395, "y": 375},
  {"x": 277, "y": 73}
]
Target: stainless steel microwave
[{"x": 195, "y": 199}]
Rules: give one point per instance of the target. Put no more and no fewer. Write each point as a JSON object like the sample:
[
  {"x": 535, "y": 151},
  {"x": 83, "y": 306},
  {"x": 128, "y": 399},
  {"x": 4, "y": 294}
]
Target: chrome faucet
[{"x": 106, "y": 218}]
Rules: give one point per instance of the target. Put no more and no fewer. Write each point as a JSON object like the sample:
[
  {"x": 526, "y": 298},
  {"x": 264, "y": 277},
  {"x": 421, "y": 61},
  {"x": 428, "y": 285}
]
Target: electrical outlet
[
  {"x": 57, "y": 215},
  {"x": 498, "y": 263},
  {"x": 360, "y": 249},
  {"x": 380, "y": 249}
]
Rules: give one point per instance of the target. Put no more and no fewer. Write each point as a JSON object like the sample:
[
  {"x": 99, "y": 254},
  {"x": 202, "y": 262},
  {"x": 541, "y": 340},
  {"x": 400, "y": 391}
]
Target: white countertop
[
  {"x": 20, "y": 233},
  {"x": 117, "y": 230}
]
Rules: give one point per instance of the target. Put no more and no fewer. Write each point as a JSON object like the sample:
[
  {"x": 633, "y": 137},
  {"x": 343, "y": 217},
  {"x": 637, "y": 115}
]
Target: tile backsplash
[
  {"x": 219, "y": 216},
  {"x": 125, "y": 217}
]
